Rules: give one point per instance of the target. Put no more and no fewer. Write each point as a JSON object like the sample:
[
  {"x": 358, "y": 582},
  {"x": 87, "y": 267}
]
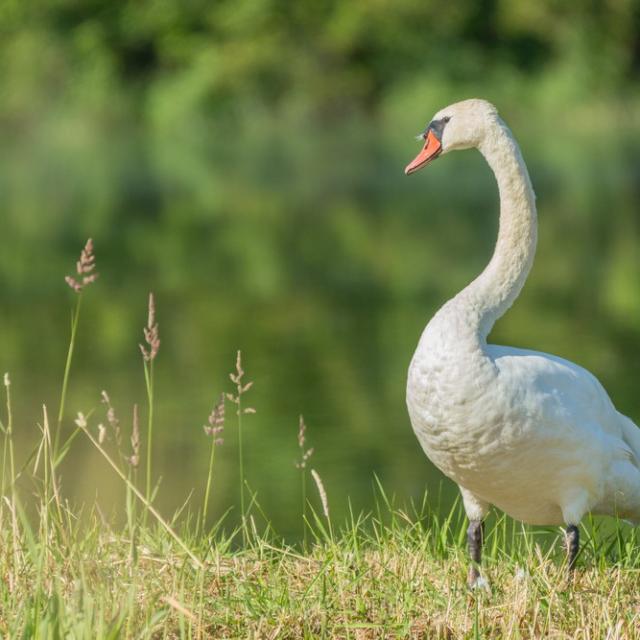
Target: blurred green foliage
[
  {"x": 244, "y": 160},
  {"x": 163, "y": 60}
]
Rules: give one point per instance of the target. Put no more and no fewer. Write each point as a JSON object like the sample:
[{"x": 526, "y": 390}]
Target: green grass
[
  {"x": 404, "y": 577},
  {"x": 397, "y": 572}
]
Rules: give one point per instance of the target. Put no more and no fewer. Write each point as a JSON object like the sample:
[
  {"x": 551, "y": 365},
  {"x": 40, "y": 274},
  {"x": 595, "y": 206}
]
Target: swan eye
[{"x": 437, "y": 126}]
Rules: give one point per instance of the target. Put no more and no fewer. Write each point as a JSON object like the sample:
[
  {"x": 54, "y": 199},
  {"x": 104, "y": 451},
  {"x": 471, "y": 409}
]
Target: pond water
[{"x": 318, "y": 259}]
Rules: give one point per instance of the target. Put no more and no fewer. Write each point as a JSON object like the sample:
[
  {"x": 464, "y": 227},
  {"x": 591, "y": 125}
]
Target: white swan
[{"x": 533, "y": 434}]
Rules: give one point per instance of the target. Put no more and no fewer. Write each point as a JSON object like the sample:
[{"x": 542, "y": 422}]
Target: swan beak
[{"x": 432, "y": 148}]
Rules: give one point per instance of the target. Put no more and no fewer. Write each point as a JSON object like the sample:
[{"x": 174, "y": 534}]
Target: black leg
[
  {"x": 573, "y": 546},
  {"x": 475, "y": 538}
]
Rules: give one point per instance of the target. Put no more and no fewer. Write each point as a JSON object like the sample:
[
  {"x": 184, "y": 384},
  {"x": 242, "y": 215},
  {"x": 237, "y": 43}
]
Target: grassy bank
[
  {"x": 71, "y": 571},
  {"x": 402, "y": 579}
]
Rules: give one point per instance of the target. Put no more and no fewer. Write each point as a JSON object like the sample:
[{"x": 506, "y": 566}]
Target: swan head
[{"x": 461, "y": 125}]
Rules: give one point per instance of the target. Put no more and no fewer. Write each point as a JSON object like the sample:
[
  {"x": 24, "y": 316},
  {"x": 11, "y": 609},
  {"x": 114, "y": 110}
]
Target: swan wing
[
  {"x": 598, "y": 446},
  {"x": 565, "y": 395}
]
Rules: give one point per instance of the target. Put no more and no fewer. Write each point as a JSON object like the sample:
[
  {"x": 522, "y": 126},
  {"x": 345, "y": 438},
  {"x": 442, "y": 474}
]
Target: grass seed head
[
  {"x": 241, "y": 387},
  {"x": 151, "y": 333},
  {"x": 85, "y": 269},
  {"x": 112, "y": 419},
  {"x": 134, "y": 459},
  {"x": 81, "y": 420},
  {"x": 321, "y": 492},
  {"x": 304, "y": 455},
  {"x": 216, "y": 422}
]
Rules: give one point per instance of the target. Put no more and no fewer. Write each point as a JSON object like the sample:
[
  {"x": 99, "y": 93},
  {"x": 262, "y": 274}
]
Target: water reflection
[{"x": 319, "y": 260}]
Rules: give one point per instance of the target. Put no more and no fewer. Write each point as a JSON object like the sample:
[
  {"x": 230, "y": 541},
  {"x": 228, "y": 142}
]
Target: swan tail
[
  {"x": 624, "y": 476},
  {"x": 631, "y": 437}
]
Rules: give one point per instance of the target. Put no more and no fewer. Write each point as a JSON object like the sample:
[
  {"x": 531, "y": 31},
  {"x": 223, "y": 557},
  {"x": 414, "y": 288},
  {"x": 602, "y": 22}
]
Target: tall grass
[
  {"x": 214, "y": 430},
  {"x": 149, "y": 353},
  {"x": 85, "y": 275},
  {"x": 237, "y": 398},
  {"x": 301, "y": 464},
  {"x": 398, "y": 571}
]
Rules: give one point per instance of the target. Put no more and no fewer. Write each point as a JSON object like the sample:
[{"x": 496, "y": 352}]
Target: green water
[{"x": 322, "y": 262}]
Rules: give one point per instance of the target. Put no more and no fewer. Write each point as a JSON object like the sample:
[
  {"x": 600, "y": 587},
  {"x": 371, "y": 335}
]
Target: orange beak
[{"x": 432, "y": 148}]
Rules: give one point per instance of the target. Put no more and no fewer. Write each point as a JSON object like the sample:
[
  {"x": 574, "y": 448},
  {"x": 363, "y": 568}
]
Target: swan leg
[
  {"x": 572, "y": 535},
  {"x": 476, "y": 510},
  {"x": 475, "y": 538}
]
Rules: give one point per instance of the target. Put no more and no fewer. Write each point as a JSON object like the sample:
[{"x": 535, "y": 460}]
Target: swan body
[{"x": 531, "y": 433}]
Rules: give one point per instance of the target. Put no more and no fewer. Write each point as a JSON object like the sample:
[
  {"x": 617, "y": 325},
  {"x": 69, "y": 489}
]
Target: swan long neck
[{"x": 490, "y": 295}]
